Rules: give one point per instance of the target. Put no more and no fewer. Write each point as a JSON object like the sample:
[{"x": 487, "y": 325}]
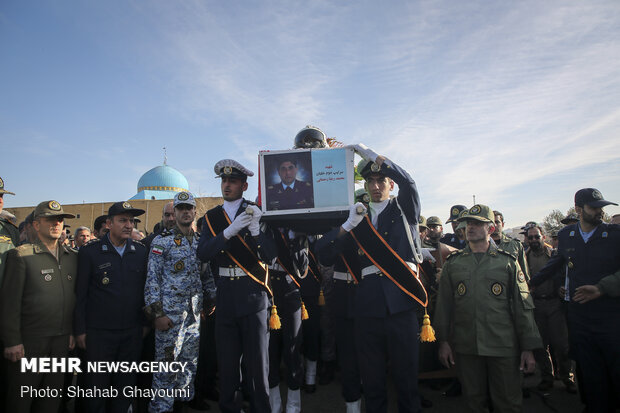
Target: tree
[{"x": 552, "y": 221}]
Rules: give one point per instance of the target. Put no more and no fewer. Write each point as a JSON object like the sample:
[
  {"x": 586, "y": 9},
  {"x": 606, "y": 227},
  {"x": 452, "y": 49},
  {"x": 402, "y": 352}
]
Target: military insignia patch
[
  {"x": 227, "y": 170},
  {"x": 48, "y": 277},
  {"x": 596, "y": 194},
  {"x": 496, "y": 289},
  {"x": 126, "y": 205},
  {"x": 360, "y": 252},
  {"x": 474, "y": 210},
  {"x": 455, "y": 212},
  {"x": 521, "y": 276},
  {"x": 54, "y": 206},
  {"x": 179, "y": 266},
  {"x": 375, "y": 168},
  {"x": 604, "y": 235},
  {"x": 183, "y": 196},
  {"x": 47, "y": 271},
  {"x": 571, "y": 234},
  {"x": 177, "y": 241},
  {"x": 105, "y": 281},
  {"x": 366, "y": 198},
  {"x": 570, "y": 264},
  {"x": 157, "y": 250},
  {"x": 461, "y": 289},
  {"x": 69, "y": 277}
]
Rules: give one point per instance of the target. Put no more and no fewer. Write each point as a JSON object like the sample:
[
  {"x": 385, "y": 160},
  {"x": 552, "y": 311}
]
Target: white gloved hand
[
  {"x": 365, "y": 152},
  {"x": 354, "y": 217},
  {"x": 254, "y": 226},
  {"x": 242, "y": 221}
]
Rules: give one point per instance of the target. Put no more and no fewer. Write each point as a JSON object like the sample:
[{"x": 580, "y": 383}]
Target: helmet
[{"x": 310, "y": 137}]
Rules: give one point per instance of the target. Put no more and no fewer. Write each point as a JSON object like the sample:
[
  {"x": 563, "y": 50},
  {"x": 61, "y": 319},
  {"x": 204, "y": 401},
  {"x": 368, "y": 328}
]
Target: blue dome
[{"x": 163, "y": 178}]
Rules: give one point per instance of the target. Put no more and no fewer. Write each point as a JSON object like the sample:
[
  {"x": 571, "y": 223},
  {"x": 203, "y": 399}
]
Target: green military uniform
[
  {"x": 36, "y": 310},
  {"x": 484, "y": 310},
  {"x": 9, "y": 235},
  {"x": 515, "y": 248}
]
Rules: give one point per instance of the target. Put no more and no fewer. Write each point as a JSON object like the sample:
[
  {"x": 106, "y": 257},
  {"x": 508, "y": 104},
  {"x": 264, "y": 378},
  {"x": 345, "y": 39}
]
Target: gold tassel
[
  {"x": 304, "y": 312},
  {"x": 274, "y": 320},
  {"x": 321, "y": 298},
  {"x": 427, "y": 334}
]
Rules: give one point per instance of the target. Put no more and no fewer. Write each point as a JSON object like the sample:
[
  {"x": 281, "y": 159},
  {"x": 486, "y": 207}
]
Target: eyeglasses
[{"x": 533, "y": 237}]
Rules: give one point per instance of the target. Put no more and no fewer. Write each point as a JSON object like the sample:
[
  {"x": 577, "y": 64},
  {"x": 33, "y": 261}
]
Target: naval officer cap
[
  {"x": 591, "y": 197},
  {"x": 184, "y": 197},
  {"x": 480, "y": 213},
  {"x": 232, "y": 169},
  {"x": 124, "y": 208},
  {"x": 455, "y": 211},
  {"x": 2, "y": 190},
  {"x": 50, "y": 209},
  {"x": 366, "y": 168}
]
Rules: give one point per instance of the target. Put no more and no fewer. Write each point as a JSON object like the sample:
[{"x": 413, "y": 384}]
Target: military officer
[
  {"x": 37, "y": 300},
  {"x": 485, "y": 312},
  {"x": 457, "y": 239},
  {"x": 9, "y": 235},
  {"x": 570, "y": 219},
  {"x": 589, "y": 255},
  {"x": 233, "y": 241},
  {"x": 290, "y": 192},
  {"x": 549, "y": 316},
  {"x": 108, "y": 317},
  {"x": 173, "y": 295},
  {"x": 387, "y": 298},
  {"x": 508, "y": 244}
]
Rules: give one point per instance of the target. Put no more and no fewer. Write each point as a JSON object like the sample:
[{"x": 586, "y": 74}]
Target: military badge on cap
[
  {"x": 179, "y": 266},
  {"x": 474, "y": 210},
  {"x": 496, "y": 289},
  {"x": 231, "y": 168},
  {"x": 596, "y": 194},
  {"x": 461, "y": 289},
  {"x": 54, "y": 206},
  {"x": 2, "y": 190},
  {"x": 126, "y": 205},
  {"x": 374, "y": 167},
  {"x": 183, "y": 196},
  {"x": 227, "y": 170},
  {"x": 455, "y": 212}
]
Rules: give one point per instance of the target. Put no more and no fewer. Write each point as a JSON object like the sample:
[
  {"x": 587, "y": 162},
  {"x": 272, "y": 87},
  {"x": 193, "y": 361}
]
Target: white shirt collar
[
  {"x": 231, "y": 208},
  {"x": 376, "y": 208},
  {"x": 292, "y": 185}
]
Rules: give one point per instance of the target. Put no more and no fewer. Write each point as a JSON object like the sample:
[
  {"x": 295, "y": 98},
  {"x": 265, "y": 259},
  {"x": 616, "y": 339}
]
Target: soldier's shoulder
[
  {"x": 138, "y": 244},
  {"x": 507, "y": 253},
  {"x": 165, "y": 233},
  {"x": 23, "y": 250},
  {"x": 454, "y": 254},
  {"x": 89, "y": 244}
]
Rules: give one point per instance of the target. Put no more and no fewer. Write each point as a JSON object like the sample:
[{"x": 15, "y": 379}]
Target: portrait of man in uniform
[{"x": 286, "y": 188}]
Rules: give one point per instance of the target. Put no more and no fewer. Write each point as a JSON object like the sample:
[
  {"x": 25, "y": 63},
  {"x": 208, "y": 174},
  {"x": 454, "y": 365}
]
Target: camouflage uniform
[{"x": 174, "y": 288}]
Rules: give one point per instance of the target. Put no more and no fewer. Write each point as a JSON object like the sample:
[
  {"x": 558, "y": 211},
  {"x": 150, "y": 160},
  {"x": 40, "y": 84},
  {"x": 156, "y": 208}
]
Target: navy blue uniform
[
  {"x": 300, "y": 196},
  {"x": 241, "y": 323},
  {"x": 310, "y": 291},
  {"x": 453, "y": 241},
  {"x": 110, "y": 297},
  {"x": 386, "y": 324},
  {"x": 594, "y": 327}
]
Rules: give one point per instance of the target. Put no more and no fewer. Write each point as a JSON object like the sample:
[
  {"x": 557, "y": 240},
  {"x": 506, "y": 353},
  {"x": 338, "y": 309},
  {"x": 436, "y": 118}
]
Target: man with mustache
[
  {"x": 549, "y": 315},
  {"x": 589, "y": 254}
]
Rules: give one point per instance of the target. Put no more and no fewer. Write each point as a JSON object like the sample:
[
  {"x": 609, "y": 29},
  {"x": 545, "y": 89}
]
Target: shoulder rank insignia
[
  {"x": 521, "y": 276},
  {"x": 496, "y": 289},
  {"x": 179, "y": 266},
  {"x": 104, "y": 247},
  {"x": 454, "y": 254},
  {"x": 571, "y": 234},
  {"x": 604, "y": 234},
  {"x": 461, "y": 289},
  {"x": 510, "y": 254}
]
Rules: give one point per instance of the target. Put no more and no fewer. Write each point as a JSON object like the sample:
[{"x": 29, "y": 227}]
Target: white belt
[
  {"x": 231, "y": 272},
  {"x": 344, "y": 276},
  {"x": 373, "y": 269}
]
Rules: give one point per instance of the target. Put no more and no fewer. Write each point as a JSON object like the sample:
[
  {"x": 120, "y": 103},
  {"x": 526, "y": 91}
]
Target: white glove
[
  {"x": 254, "y": 226},
  {"x": 242, "y": 221},
  {"x": 365, "y": 152},
  {"x": 354, "y": 217}
]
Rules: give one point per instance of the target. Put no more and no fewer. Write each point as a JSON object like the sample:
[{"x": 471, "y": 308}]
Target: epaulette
[
  {"x": 165, "y": 233},
  {"x": 9, "y": 222},
  {"x": 91, "y": 242},
  {"x": 453, "y": 254},
  {"x": 135, "y": 241},
  {"x": 511, "y": 255}
]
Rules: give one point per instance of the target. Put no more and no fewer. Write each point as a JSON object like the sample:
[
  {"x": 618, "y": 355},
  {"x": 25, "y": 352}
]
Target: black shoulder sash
[
  {"x": 388, "y": 261},
  {"x": 284, "y": 256}
]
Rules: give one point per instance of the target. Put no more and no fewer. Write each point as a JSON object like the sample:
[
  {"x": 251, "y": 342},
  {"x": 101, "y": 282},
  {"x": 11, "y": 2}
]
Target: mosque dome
[{"x": 161, "y": 182}]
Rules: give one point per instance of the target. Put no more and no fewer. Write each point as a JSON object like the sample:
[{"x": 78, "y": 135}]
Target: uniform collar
[
  {"x": 107, "y": 246},
  {"x": 292, "y": 185}
]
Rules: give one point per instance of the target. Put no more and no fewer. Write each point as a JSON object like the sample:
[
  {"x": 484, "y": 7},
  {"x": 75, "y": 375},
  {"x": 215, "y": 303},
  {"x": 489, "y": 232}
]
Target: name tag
[
  {"x": 47, "y": 271},
  {"x": 106, "y": 265}
]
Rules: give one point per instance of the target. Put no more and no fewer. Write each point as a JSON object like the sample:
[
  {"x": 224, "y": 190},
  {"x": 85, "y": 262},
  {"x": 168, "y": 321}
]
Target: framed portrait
[{"x": 306, "y": 181}]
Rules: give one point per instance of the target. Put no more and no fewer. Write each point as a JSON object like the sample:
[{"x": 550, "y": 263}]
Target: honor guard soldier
[
  {"x": 285, "y": 272},
  {"x": 232, "y": 240},
  {"x": 36, "y": 303},
  {"x": 456, "y": 240},
  {"x": 9, "y": 234},
  {"x": 589, "y": 255},
  {"x": 508, "y": 244},
  {"x": 485, "y": 313},
  {"x": 389, "y": 291},
  {"x": 173, "y": 295},
  {"x": 108, "y": 317}
]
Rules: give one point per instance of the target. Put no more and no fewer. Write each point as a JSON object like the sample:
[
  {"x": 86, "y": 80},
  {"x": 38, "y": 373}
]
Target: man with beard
[
  {"x": 589, "y": 253},
  {"x": 549, "y": 316},
  {"x": 456, "y": 240},
  {"x": 508, "y": 244}
]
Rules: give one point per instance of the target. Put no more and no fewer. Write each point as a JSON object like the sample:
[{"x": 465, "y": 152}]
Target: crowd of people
[{"x": 236, "y": 300}]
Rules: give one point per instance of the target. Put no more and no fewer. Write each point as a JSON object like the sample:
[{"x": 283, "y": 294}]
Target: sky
[{"x": 517, "y": 103}]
